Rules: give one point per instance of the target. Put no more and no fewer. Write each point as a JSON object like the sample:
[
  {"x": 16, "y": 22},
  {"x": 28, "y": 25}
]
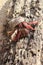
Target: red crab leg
[
  {"x": 34, "y": 22},
  {"x": 28, "y": 26},
  {"x": 30, "y": 23},
  {"x": 18, "y": 35}
]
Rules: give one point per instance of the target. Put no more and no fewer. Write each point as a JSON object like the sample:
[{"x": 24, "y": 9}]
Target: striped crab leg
[
  {"x": 28, "y": 25},
  {"x": 34, "y": 23}
]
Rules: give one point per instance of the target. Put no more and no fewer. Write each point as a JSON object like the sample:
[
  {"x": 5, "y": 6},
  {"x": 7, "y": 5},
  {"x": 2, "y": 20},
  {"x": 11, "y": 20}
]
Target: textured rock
[{"x": 28, "y": 50}]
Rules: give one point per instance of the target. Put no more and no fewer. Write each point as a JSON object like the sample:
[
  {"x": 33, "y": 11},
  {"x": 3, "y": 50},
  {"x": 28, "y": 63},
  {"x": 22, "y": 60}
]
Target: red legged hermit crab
[{"x": 22, "y": 29}]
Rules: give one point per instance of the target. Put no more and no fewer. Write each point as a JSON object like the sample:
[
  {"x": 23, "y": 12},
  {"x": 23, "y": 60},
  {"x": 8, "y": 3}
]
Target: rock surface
[{"x": 28, "y": 50}]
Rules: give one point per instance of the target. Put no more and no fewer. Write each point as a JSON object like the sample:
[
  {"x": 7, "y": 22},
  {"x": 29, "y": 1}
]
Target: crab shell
[{"x": 15, "y": 21}]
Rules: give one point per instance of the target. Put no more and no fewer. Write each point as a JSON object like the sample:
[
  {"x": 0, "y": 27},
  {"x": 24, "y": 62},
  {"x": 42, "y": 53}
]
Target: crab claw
[{"x": 13, "y": 36}]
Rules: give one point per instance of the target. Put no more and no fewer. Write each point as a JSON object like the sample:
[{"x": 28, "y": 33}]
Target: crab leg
[
  {"x": 31, "y": 23},
  {"x": 28, "y": 26},
  {"x": 21, "y": 33},
  {"x": 18, "y": 35},
  {"x": 34, "y": 22}
]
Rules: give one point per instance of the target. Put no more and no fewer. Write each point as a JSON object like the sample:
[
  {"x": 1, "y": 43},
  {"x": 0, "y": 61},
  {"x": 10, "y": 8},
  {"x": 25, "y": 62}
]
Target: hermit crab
[{"x": 21, "y": 28}]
